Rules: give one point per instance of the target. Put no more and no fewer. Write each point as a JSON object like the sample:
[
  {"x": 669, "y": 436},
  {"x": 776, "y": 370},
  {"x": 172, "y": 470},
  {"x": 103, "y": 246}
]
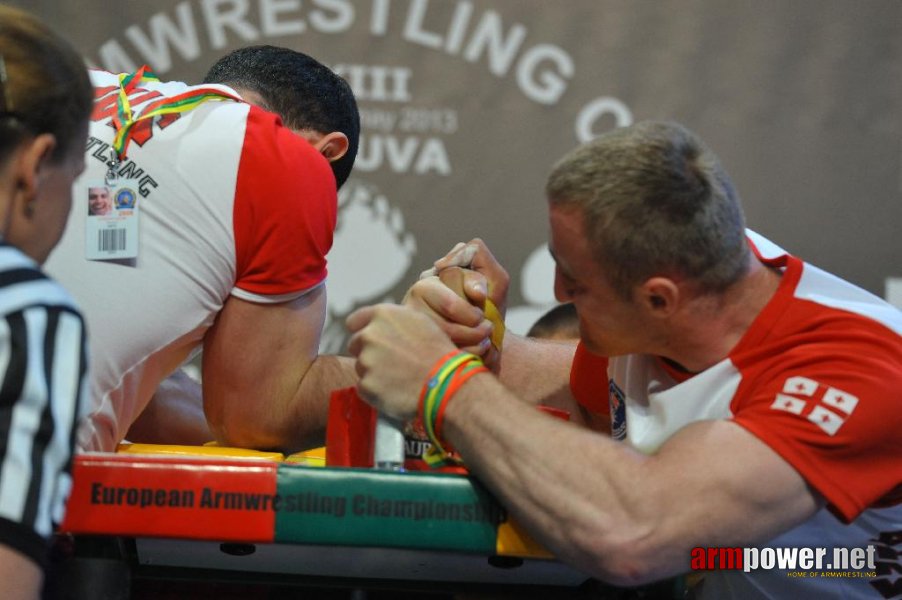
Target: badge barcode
[{"x": 111, "y": 240}]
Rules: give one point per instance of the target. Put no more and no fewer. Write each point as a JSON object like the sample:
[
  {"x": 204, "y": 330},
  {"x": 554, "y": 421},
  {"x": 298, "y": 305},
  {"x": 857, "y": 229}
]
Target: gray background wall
[{"x": 467, "y": 103}]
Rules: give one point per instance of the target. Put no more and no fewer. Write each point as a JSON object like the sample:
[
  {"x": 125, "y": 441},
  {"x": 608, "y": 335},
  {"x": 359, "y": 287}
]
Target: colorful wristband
[
  {"x": 446, "y": 377},
  {"x": 432, "y": 380},
  {"x": 460, "y": 377}
]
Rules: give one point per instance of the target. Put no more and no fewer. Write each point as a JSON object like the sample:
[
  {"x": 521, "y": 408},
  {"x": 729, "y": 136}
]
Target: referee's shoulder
[{"x": 24, "y": 285}]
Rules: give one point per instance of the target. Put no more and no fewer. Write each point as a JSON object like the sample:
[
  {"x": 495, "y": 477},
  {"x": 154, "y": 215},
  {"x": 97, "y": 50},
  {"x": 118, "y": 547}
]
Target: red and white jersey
[
  {"x": 818, "y": 378},
  {"x": 231, "y": 203}
]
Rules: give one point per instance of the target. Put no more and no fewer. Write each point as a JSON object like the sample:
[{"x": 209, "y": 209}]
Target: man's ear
[
  {"x": 660, "y": 296},
  {"x": 333, "y": 145}
]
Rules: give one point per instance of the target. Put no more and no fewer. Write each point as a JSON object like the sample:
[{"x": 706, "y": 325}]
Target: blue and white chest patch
[{"x": 617, "y": 402}]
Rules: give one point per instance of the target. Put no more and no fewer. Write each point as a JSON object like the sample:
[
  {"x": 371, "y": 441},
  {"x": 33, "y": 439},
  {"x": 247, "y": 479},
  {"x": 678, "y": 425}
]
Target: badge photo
[
  {"x": 100, "y": 200},
  {"x": 111, "y": 226}
]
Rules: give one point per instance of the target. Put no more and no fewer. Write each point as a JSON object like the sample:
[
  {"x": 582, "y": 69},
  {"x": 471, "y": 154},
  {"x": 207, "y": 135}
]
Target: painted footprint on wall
[{"x": 371, "y": 254}]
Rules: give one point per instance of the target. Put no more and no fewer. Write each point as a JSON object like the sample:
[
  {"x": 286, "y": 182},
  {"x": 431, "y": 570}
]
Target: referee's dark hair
[
  {"x": 305, "y": 93},
  {"x": 44, "y": 85}
]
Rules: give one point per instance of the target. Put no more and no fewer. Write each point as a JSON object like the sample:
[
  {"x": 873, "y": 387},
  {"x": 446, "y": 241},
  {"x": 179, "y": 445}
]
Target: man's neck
[{"x": 714, "y": 324}]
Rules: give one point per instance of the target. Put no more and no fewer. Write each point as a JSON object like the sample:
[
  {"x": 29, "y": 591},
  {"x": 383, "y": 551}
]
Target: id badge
[{"x": 111, "y": 229}]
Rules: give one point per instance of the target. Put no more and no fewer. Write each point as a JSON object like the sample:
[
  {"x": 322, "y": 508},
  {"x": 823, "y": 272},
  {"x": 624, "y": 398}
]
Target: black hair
[{"x": 305, "y": 93}]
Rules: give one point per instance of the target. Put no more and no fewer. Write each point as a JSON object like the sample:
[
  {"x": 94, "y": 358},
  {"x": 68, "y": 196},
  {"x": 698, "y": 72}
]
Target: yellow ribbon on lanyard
[{"x": 124, "y": 120}]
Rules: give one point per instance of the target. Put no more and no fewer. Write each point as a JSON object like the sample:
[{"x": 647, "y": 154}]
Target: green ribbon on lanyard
[{"x": 125, "y": 119}]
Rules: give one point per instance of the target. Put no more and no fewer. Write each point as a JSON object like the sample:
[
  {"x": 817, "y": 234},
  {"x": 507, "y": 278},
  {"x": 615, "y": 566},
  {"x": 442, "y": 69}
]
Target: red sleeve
[
  {"x": 832, "y": 408},
  {"x": 285, "y": 210},
  {"x": 589, "y": 380}
]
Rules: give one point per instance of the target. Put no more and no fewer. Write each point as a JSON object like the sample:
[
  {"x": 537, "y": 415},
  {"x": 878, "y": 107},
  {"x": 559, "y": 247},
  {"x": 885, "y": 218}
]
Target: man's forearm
[
  {"x": 550, "y": 476},
  {"x": 310, "y": 407},
  {"x": 273, "y": 393},
  {"x": 625, "y": 517}
]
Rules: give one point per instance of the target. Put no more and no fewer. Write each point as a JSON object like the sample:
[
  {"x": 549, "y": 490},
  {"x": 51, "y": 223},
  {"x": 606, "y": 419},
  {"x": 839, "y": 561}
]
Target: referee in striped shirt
[{"x": 45, "y": 100}]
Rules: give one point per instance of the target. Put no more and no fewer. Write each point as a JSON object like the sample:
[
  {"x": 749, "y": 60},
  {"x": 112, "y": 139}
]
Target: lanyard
[{"x": 125, "y": 120}]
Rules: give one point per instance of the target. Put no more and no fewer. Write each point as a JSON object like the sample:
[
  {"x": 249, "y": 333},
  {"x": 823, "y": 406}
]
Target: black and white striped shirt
[{"x": 43, "y": 364}]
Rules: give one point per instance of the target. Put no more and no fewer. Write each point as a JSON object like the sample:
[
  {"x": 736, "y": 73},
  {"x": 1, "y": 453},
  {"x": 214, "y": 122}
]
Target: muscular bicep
[
  {"x": 712, "y": 484},
  {"x": 718, "y": 484},
  {"x": 255, "y": 358}
]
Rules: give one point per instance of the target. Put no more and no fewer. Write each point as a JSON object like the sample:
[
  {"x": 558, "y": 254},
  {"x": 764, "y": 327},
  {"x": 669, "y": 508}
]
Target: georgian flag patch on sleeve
[{"x": 828, "y": 410}]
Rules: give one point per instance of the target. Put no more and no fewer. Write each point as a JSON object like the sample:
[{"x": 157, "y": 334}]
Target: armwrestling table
[{"x": 239, "y": 515}]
